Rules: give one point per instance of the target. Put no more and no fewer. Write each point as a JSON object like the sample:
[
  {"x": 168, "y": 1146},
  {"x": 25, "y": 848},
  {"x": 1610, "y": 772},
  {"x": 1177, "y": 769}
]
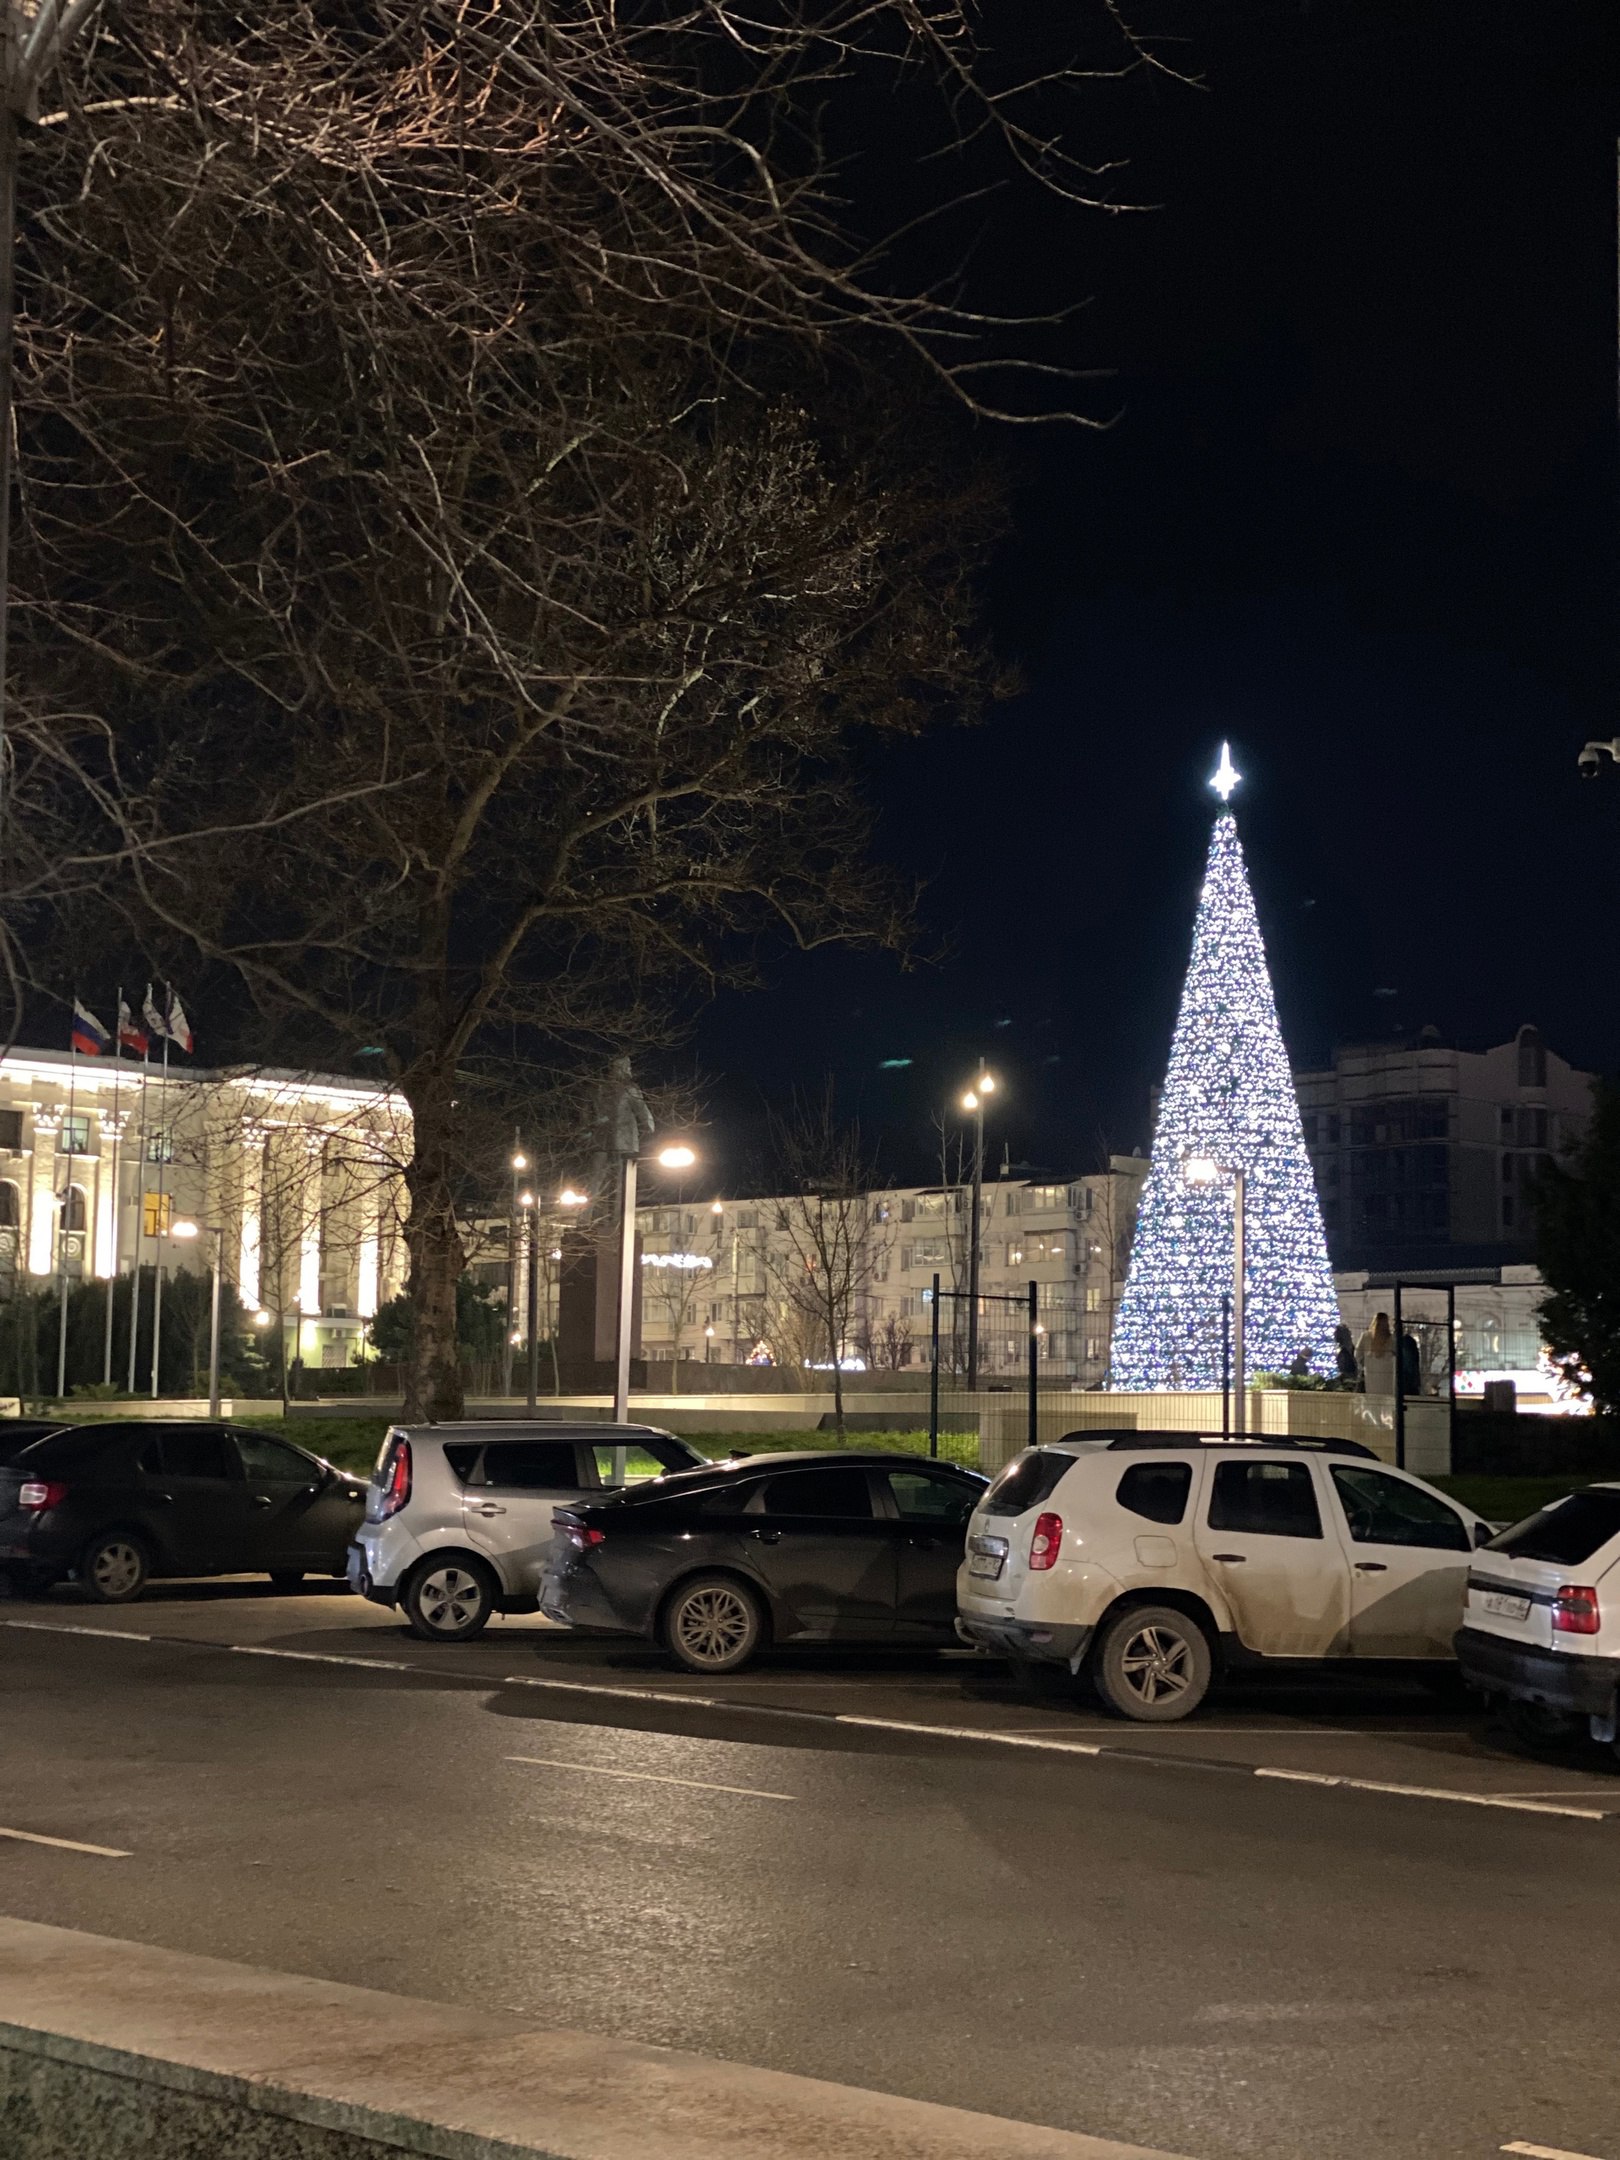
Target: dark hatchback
[
  {"x": 110, "y": 1505},
  {"x": 716, "y": 1564}
]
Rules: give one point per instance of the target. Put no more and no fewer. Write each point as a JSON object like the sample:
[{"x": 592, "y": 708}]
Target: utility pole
[{"x": 973, "y": 1103}]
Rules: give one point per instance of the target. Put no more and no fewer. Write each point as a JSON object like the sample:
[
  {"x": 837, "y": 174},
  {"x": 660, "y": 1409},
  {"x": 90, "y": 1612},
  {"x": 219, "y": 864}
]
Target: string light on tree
[{"x": 1228, "y": 1096}]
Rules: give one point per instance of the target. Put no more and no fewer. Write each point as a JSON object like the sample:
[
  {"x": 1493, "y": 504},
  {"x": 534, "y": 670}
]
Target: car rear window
[
  {"x": 68, "y": 1450},
  {"x": 1567, "y": 1533},
  {"x": 531, "y": 1465},
  {"x": 642, "y": 1459},
  {"x": 1157, "y": 1490},
  {"x": 1028, "y": 1481}
]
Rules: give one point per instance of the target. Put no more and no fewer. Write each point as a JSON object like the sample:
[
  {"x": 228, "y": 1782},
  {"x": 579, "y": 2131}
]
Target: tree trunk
[
  {"x": 433, "y": 1385},
  {"x": 837, "y": 1371}
]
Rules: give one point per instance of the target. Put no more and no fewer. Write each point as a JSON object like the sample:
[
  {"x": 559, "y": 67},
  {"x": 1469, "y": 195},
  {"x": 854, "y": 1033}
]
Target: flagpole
[
  {"x": 63, "y": 1199},
  {"x": 140, "y": 1219},
  {"x": 159, "y": 1226},
  {"x": 112, "y": 1269}
]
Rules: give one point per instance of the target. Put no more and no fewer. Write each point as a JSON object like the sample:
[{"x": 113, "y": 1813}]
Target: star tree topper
[{"x": 1226, "y": 775}]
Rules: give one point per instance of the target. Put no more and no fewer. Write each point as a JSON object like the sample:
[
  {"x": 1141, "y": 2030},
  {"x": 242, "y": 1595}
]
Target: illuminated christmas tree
[{"x": 1229, "y": 1099}]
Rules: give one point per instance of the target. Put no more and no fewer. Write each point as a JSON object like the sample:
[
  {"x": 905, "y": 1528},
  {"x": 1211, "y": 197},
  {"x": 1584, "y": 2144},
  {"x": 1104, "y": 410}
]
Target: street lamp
[
  {"x": 1204, "y": 1170},
  {"x": 677, "y": 1156},
  {"x": 973, "y": 1103},
  {"x": 191, "y": 1230},
  {"x": 519, "y": 1163}
]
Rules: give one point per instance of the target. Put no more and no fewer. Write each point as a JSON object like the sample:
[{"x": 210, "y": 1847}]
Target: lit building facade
[{"x": 300, "y": 1175}]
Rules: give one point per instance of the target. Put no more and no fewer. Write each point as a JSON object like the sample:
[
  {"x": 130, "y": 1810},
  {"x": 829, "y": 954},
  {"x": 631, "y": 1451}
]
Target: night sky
[{"x": 1358, "y": 511}]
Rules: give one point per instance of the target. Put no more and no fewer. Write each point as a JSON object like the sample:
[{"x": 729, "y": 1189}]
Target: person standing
[
  {"x": 1345, "y": 1349},
  {"x": 1375, "y": 1353},
  {"x": 1411, "y": 1364}
]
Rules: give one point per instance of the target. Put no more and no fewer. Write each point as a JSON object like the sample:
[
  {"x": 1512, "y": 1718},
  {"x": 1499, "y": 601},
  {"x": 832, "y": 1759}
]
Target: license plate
[
  {"x": 985, "y": 1563},
  {"x": 1505, "y": 1607}
]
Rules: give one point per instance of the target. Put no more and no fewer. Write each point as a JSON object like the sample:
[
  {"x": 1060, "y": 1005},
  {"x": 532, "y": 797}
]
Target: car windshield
[{"x": 1568, "y": 1533}]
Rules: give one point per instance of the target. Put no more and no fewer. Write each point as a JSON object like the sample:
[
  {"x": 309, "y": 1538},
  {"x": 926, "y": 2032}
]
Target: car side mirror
[{"x": 1483, "y": 1533}]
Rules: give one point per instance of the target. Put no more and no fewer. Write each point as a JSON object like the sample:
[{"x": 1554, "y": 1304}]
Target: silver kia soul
[{"x": 458, "y": 1517}]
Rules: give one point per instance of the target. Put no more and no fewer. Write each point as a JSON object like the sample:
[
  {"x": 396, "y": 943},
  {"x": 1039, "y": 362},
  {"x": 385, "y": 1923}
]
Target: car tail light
[
  {"x": 1044, "y": 1545},
  {"x": 1575, "y": 1610},
  {"x": 582, "y": 1537},
  {"x": 37, "y": 1494},
  {"x": 397, "y": 1485}
]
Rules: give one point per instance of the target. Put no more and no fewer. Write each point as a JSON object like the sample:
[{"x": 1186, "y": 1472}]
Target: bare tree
[
  {"x": 457, "y": 543},
  {"x": 823, "y": 1257}
]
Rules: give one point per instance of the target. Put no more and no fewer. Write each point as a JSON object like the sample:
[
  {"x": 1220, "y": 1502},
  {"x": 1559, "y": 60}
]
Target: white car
[
  {"x": 1541, "y": 1632},
  {"x": 458, "y": 1517},
  {"x": 1154, "y": 1559}
]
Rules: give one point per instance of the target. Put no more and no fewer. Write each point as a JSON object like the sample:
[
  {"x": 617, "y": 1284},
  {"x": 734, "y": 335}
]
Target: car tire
[
  {"x": 285, "y": 1578},
  {"x": 713, "y": 1624},
  {"x": 1534, "y": 1725},
  {"x": 113, "y": 1568},
  {"x": 1152, "y": 1665},
  {"x": 449, "y": 1598}
]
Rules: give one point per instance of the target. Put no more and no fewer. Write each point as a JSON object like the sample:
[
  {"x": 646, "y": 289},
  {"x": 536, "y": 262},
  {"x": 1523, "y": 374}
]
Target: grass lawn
[{"x": 1507, "y": 1499}]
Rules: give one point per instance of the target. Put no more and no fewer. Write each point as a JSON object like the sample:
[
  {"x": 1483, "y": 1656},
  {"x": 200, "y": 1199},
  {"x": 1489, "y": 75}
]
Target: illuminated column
[
  {"x": 374, "y": 1212},
  {"x": 255, "y": 1138},
  {"x": 309, "y": 1228},
  {"x": 42, "y": 1192},
  {"x": 109, "y": 1176}
]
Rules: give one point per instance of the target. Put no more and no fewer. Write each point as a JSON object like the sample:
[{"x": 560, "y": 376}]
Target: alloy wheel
[
  {"x": 449, "y": 1598},
  {"x": 116, "y": 1569},
  {"x": 1157, "y": 1665},
  {"x": 712, "y": 1623}
]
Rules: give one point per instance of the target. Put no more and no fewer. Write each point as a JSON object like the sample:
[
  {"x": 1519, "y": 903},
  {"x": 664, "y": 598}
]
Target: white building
[
  {"x": 300, "y": 1176},
  {"x": 718, "y": 1278}
]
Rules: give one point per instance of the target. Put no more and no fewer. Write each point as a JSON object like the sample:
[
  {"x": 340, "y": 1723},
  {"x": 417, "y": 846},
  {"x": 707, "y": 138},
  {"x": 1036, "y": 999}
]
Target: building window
[
  {"x": 74, "y": 1136},
  {"x": 1093, "y": 1298},
  {"x": 160, "y": 1144},
  {"x": 932, "y": 1205},
  {"x": 11, "y": 1130},
  {"x": 1507, "y": 1211},
  {"x": 1015, "y": 1255},
  {"x": 73, "y": 1216},
  {"x": 157, "y": 1213},
  {"x": 1040, "y": 1199},
  {"x": 8, "y": 1206},
  {"x": 926, "y": 1252},
  {"x": 1094, "y": 1349}
]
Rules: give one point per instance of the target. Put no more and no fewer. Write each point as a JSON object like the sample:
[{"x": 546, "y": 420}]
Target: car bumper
[
  {"x": 360, "y": 1581},
  {"x": 1584, "y": 1686},
  {"x": 574, "y": 1598},
  {"x": 1040, "y": 1640}
]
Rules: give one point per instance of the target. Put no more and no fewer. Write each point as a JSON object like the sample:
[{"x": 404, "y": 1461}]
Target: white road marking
[
  {"x": 1545, "y": 2152},
  {"x": 648, "y": 1777},
  {"x": 1434, "y": 1792},
  {"x": 969, "y": 1732},
  {"x": 57, "y": 1627},
  {"x": 67, "y": 1844},
  {"x": 322, "y": 1657}
]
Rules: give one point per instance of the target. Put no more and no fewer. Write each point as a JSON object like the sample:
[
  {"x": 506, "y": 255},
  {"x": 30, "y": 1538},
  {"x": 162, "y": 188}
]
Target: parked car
[
  {"x": 816, "y": 1547},
  {"x": 1152, "y": 1561},
  {"x": 1541, "y": 1632},
  {"x": 109, "y": 1506},
  {"x": 458, "y": 1519}
]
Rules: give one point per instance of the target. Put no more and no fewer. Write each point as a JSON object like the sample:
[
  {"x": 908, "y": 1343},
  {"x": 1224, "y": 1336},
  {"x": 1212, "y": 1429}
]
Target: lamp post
[
  {"x": 530, "y": 1208},
  {"x": 520, "y": 1163},
  {"x": 1202, "y": 1170},
  {"x": 973, "y": 1103},
  {"x": 670, "y": 1158},
  {"x": 191, "y": 1230}
]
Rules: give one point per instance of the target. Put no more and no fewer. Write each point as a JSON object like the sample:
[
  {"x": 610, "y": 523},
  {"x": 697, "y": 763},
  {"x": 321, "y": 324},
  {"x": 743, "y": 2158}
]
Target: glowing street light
[
  {"x": 677, "y": 1158},
  {"x": 186, "y": 1230},
  {"x": 973, "y": 1103},
  {"x": 569, "y": 1198}
]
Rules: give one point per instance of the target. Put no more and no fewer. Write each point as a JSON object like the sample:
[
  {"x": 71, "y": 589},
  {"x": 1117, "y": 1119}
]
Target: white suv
[
  {"x": 1152, "y": 1558},
  {"x": 1541, "y": 1633},
  {"x": 458, "y": 1517}
]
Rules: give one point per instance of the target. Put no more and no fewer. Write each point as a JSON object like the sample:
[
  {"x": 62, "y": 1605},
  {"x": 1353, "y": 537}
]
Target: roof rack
[{"x": 1298, "y": 1443}]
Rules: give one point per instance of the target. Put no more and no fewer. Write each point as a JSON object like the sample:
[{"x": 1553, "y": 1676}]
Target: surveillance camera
[{"x": 1588, "y": 763}]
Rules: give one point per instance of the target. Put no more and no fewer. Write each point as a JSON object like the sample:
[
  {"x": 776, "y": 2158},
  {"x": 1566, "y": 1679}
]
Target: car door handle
[
  {"x": 1232, "y": 1559},
  {"x": 767, "y": 1537},
  {"x": 1371, "y": 1567},
  {"x": 485, "y": 1507},
  {"x": 261, "y": 1499}
]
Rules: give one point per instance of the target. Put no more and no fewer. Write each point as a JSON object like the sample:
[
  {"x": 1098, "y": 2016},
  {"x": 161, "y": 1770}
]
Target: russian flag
[{"x": 89, "y": 1037}]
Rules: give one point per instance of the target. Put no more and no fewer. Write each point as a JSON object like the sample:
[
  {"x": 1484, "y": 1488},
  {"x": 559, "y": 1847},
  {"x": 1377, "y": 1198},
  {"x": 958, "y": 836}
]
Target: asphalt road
[{"x": 1200, "y": 1961}]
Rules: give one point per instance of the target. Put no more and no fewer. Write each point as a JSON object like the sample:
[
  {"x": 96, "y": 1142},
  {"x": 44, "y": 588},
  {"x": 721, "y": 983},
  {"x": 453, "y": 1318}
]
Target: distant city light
[{"x": 893, "y": 1064}]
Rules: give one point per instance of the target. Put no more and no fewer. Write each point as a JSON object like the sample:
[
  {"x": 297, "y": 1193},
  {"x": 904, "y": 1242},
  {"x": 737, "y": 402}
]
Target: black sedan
[
  {"x": 109, "y": 1505},
  {"x": 805, "y": 1548}
]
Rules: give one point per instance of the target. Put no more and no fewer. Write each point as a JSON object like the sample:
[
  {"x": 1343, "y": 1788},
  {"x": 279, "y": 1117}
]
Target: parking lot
[{"x": 1360, "y": 1729}]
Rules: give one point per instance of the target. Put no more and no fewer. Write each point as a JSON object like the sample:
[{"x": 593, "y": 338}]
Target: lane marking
[
  {"x": 1115, "y": 1752},
  {"x": 58, "y": 1627},
  {"x": 67, "y": 1844},
  {"x": 1544, "y": 2152},
  {"x": 1435, "y": 1792},
  {"x": 321, "y": 1657},
  {"x": 648, "y": 1777}
]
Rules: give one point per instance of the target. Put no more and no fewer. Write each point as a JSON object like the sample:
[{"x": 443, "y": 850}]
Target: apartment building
[
  {"x": 298, "y": 1174},
  {"x": 723, "y": 1281},
  {"x": 1424, "y": 1153}
]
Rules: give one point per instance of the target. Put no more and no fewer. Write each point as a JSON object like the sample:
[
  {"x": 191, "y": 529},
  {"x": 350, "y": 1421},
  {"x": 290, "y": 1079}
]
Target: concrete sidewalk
[{"x": 117, "y": 2051}]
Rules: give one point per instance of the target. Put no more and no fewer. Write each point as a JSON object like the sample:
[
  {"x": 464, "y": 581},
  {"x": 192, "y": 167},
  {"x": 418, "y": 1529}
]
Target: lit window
[
  {"x": 157, "y": 1213},
  {"x": 74, "y": 1135}
]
